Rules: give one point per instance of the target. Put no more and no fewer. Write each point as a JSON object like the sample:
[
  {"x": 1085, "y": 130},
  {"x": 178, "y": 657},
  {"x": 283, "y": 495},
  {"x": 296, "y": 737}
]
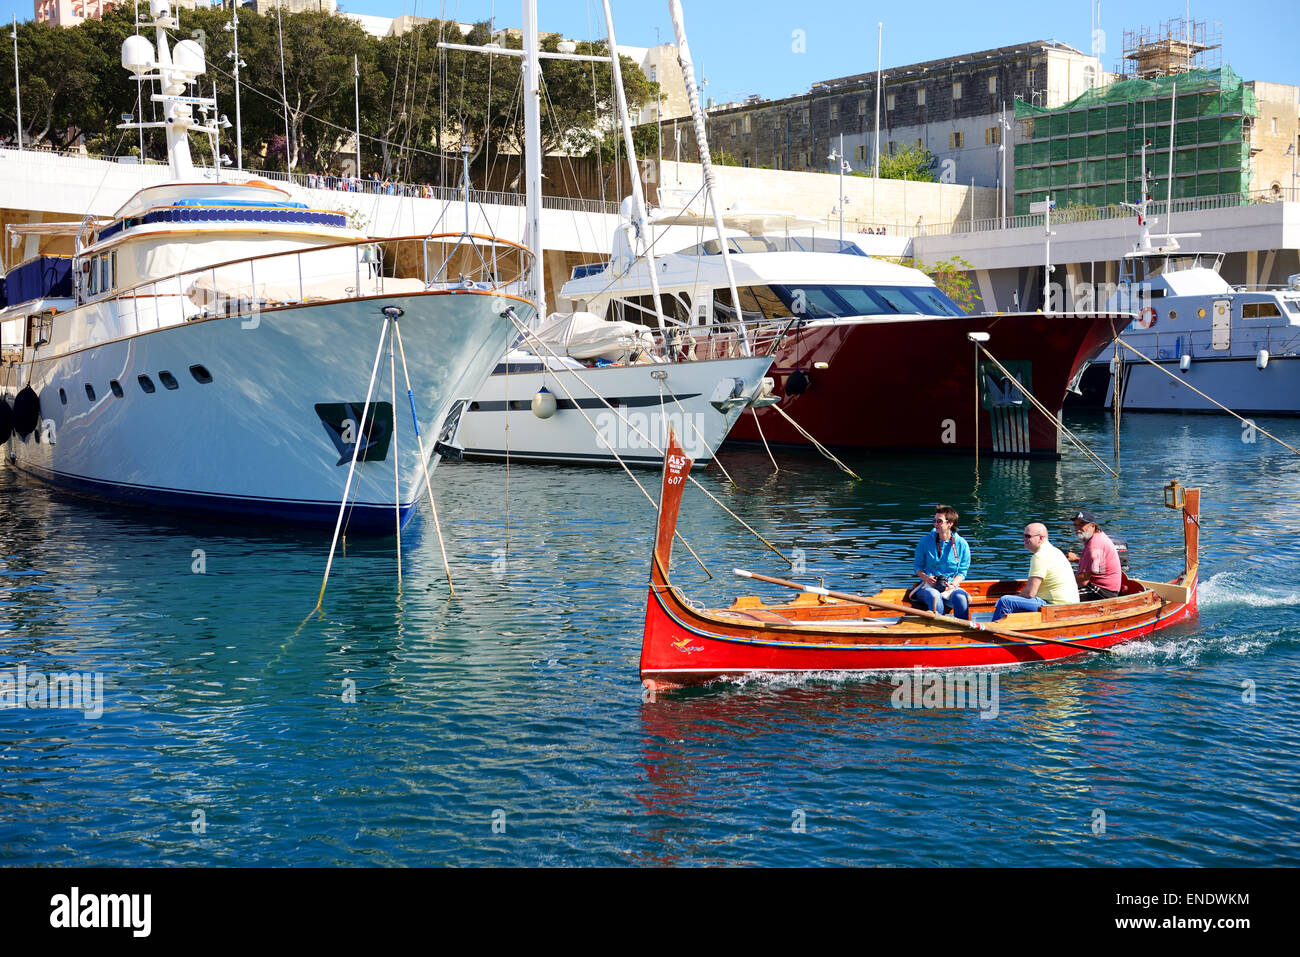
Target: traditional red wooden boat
[{"x": 822, "y": 630}]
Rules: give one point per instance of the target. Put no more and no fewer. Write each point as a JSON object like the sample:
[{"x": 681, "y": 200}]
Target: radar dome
[
  {"x": 137, "y": 54},
  {"x": 187, "y": 57}
]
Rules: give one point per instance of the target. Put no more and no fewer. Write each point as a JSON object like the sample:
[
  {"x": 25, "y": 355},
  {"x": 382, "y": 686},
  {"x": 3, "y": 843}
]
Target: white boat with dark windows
[
  {"x": 1238, "y": 345},
  {"x": 218, "y": 346},
  {"x": 580, "y": 388}
]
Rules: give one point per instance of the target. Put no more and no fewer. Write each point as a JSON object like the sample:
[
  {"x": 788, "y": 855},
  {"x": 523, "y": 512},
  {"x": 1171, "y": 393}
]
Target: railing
[{"x": 342, "y": 271}]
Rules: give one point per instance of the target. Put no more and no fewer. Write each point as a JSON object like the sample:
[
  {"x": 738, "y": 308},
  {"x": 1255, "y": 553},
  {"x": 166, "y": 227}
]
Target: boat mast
[
  {"x": 638, "y": 199},
  {"x": 702, "y": 141},
  {"x": 533, "y": 154},
  {"x": 140, "y": 57}
]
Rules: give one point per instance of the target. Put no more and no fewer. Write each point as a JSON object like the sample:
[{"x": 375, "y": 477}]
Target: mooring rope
[
  {"x": 510, "y": 313},
  {"x": 1043, "y": 409},
  {"x": 820, "y": 448},
  {"x": 1207, "y": 398},
  {"x": 352, "y": 468},
  {"x": 649, "y": 441},
  {"x": 424, "y": 462}
]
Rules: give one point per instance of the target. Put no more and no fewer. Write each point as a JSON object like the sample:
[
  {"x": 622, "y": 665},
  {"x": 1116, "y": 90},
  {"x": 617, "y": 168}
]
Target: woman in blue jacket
[{"x": 942, "y": 561}]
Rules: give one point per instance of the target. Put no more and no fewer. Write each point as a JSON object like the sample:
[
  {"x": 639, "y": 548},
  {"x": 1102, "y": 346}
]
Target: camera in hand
[{"x": 941, "y": 582}]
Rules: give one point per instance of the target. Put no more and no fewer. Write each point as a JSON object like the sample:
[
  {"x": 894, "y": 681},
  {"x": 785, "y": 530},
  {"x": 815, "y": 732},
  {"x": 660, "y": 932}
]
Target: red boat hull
[
  {"x": 684, "y": 647},
  {"x": 909, "y": 382}
]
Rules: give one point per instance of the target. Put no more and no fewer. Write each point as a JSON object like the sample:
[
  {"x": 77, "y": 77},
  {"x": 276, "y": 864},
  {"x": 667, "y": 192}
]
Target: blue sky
[{"x": 748, "y": 46}]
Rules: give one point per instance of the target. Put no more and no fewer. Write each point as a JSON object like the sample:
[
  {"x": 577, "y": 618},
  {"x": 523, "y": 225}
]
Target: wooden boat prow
[{"x": 683, "y": 644}]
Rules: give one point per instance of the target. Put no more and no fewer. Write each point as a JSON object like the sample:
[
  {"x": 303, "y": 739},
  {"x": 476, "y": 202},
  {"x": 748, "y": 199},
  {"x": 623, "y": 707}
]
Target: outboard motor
[{"x": 1121, "y": 546}]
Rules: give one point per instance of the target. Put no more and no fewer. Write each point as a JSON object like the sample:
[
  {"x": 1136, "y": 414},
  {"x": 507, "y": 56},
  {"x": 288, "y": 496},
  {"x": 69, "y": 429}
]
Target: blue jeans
[
  {"x": 1013, "y": 603},
  {"x": 958, "y": 602}
]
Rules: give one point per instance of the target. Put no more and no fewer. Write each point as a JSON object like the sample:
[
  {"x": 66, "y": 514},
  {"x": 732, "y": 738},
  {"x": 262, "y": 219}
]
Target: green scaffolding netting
[{"x": 1086, "y": 152}]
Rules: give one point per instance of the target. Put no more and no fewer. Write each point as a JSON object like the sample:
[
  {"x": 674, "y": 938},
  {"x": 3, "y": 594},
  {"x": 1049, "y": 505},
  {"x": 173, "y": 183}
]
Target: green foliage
[
  {"x": 418, "y": 104},
  {"x": 953, "y": 277},
  {"x": 911, "y": 162}
]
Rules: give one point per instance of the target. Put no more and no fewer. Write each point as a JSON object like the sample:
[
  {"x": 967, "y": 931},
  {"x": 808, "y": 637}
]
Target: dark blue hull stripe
[{"x": 364, "y": 519}]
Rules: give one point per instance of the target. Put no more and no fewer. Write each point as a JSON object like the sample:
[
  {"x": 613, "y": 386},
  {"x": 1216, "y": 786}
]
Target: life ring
[{"x": 1146, "y": 318}]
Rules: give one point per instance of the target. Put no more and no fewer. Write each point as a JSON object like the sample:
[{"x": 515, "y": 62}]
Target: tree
[
  {"x": 952, "y": 276},
  {"x": 911, "y": 162}
]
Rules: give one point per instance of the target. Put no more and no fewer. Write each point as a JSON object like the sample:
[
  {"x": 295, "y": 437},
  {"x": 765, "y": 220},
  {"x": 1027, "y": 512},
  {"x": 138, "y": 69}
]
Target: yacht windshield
[{"x": 818, "y": 301}]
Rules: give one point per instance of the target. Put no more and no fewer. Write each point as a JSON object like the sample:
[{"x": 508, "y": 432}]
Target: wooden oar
[{"x": 977, "y": 626}]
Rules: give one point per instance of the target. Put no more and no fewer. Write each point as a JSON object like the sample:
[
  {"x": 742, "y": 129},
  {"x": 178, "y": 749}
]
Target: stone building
[{"x": 954, "y": 107}]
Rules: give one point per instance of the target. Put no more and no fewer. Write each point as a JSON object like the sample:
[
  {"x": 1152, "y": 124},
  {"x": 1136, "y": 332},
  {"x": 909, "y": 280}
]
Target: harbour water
[{"x": 507, "y": 726}]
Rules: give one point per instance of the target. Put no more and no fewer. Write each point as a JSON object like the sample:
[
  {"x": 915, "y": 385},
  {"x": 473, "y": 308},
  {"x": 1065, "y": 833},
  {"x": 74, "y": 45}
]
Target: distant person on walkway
[
  {"x": 1099, "y": 575},
  {"x": 1050, "y": 580},
  {"x": 942, "y": 562}
]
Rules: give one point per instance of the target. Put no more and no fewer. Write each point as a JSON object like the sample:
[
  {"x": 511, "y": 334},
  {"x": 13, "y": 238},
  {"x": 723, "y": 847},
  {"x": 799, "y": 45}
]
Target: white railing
[{"x": 342, "y": 271}]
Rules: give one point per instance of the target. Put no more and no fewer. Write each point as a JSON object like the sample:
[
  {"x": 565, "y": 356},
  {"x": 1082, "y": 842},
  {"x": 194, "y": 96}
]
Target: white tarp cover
[{"x": 584, "y": 335}]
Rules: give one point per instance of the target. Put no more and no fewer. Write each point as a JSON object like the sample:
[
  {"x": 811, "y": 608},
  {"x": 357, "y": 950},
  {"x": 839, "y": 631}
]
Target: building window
[
  {"x": 803, "y": 160},
  {"x": 1033, "y": 79},
  {"x": 1275, "y": 124},
  {"x": 748, "y": 127},
  {"x": 733, "y": 127},
  {"x": 993, "y": 84},
  {"x": 862, "y": 106},
  {"x": 860, "y": 153},
  {"x": 747, "y": 161},
  {"x": 806, "y": 115},
  {"x": 954, "y": 140},
  {"x": 889, "y": 101},
  {"x": 920, "y": 97},
  {"x": 835, "y": 111},
  {"x": 993, "y": 136},
  {"x": 956, "y": 90},
  {"x": 920, "y": 143},
  {"x": 893, "y": 148},
  {"x": 653, "y": 75}
]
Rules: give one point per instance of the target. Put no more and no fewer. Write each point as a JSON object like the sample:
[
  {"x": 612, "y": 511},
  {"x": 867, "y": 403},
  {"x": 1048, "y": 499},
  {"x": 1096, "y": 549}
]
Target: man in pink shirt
[{"x": 1099, "y": 574}]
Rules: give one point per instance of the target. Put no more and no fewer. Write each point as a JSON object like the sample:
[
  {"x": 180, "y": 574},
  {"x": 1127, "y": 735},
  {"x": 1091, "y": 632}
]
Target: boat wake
[{"x": 1235, "y": 589}]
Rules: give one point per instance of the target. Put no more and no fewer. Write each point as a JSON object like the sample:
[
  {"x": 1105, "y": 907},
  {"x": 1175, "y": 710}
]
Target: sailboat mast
[
  {"x": 702, "y": 141},
  {"x": 533, "y": 154},
  {"x": 638, "y": 198}
]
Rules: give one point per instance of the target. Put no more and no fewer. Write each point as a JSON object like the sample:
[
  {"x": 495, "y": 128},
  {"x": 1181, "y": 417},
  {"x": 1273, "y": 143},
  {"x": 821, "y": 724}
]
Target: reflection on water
[{"x": 393, "y": 728}]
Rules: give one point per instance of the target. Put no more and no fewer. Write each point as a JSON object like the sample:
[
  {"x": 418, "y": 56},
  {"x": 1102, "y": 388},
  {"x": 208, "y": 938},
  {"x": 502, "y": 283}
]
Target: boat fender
[
  {"x": 797, "y": 382},
  {"x": 1261, "y": 360},
  {"x": 1146, "y": 318},
  {"x": 27, "y": 412},
  {"x": 1185, "y": 362},
  {"x": 6, "y": 420},
  {"x": 543, "y": 403}
]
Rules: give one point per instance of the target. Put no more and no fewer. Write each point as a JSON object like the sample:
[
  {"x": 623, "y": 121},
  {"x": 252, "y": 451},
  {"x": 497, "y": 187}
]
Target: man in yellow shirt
[{"x": 1051, "y": 579}]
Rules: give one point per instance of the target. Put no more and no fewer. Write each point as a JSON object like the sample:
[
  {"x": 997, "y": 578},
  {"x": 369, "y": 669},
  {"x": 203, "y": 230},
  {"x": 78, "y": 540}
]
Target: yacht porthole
[
  {"x": 90, "y": 392},
  {"x": 168, "y": 380},
  {"x": 146, "y": 383},
  {"x": 1173, "y": 314},
  {"x": 63, "y": 397},
  {"x": 1200, "y": 313},
  {"x": 116, "y": 387},
  {"x": 201, "y": 375}
]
